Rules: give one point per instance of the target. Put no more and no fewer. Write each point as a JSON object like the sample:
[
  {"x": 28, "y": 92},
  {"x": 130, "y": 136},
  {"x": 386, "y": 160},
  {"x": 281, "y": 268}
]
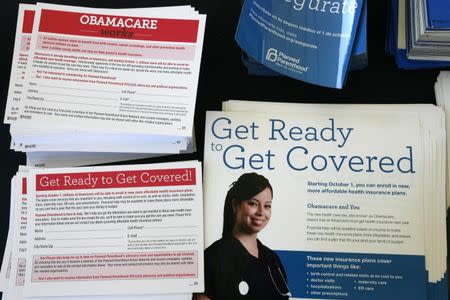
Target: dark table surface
[{"x": 223, "y": 77}]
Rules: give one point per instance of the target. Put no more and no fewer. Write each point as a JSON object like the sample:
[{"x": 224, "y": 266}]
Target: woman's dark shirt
[{"x": 228, "y": 263}]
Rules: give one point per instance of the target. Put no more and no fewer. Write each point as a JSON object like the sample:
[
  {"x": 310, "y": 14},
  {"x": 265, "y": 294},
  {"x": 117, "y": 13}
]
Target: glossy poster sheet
[{"x": 347, "y": 210}]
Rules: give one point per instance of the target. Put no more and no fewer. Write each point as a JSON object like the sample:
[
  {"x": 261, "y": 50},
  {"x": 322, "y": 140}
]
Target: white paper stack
[
  {"x": 442, "y": 92},
  {"x": 351, "y": 183},
  {"x": 104, "y": 80},
  {"x": 116, "y": 232}
]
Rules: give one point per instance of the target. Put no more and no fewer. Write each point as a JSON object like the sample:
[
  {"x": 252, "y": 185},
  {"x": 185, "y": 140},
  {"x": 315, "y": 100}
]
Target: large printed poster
[{"x": 347, "y": 210}]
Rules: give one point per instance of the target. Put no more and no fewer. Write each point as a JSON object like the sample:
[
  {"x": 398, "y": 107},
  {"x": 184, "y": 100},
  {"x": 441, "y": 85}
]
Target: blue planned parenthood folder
[
  {"x": 358, "y": 60},
  {"x": 310, "y": 40}
]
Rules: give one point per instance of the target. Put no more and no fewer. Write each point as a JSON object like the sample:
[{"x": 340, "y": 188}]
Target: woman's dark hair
[{"x": 247, "y": 186}]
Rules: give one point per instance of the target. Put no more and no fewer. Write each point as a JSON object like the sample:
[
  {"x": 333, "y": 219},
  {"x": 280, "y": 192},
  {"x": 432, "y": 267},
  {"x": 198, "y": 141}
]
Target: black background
[{"x": 223, "y": 77}]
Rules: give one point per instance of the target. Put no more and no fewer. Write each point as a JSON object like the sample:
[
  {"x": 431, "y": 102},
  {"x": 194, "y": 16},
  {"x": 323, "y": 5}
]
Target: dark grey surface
[{"x": 223, "y": 77}]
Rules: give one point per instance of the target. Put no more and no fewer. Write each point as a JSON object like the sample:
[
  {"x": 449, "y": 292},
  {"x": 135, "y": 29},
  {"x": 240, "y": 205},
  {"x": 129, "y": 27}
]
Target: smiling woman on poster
[{"x": 239, "y": 266}]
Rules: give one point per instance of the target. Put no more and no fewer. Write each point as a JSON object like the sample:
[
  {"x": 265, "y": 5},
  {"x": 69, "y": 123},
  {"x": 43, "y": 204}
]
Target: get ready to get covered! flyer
[{"x": 121, "y": 230}]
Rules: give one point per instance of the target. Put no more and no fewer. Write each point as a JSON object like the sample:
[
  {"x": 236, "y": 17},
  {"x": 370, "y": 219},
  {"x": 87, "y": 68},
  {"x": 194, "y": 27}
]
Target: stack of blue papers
[{"x": 419, "y": 33}]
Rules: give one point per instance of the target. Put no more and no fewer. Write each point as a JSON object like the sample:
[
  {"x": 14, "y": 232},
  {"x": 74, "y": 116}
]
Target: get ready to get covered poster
[{"x": 346, "y": 215}]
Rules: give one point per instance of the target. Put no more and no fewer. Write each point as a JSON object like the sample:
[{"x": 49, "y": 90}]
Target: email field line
[
  {"x": 152, "y": 102},
  {"x": 165, "y": 236}
]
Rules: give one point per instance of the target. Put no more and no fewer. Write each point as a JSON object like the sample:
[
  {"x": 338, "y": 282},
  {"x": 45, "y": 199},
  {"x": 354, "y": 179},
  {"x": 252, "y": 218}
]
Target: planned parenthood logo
[
  {"x": 281, "y": 59},
  {"x": 272, "y": 54}
]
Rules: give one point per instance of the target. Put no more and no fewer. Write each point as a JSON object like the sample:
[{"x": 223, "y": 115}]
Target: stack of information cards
[
  {"x": 104, "y": 80},
  {"x": 117, "y": 232},
  {"x": 419, "y": 33},
  {"x": 358, "y": 209}
]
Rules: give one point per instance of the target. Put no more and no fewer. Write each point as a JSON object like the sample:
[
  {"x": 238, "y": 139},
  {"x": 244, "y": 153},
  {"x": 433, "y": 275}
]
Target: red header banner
[
  {"x": 28, "y": 19},
  {"x": 116, "y": 179},
  {"x": 121, "y": 27},
  {"x": 24, "y": 186}
]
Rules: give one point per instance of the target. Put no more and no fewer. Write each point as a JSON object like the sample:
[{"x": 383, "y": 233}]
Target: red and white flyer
[
  {"x": 115, "y": 230},
  {"x": 19, "y": 229},
  {"x": 111, "y": 70},
  {"x": 24, "y": 28}
]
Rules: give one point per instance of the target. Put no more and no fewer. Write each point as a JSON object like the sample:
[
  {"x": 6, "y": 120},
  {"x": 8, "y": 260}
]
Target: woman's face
[{"x": 252, "y": 215}]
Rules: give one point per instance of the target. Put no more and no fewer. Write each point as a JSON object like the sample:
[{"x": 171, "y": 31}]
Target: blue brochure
[
  {"x": 358, "y": 60},
  {"x": 310, "y": 40}
]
